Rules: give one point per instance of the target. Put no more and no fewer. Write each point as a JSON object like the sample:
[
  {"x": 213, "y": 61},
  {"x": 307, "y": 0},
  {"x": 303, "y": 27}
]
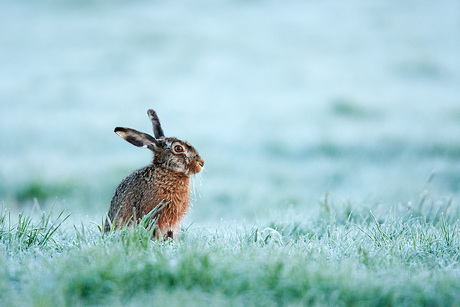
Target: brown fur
[{"x": 166, "y": 181}]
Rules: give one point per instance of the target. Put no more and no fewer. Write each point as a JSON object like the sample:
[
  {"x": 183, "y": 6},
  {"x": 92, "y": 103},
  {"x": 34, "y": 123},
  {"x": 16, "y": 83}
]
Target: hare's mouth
[{"x": 196, "y": 166}]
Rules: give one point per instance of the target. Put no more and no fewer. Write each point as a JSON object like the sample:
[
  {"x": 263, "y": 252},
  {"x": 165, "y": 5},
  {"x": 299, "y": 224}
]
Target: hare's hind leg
[{"x": 107, "y": 226}]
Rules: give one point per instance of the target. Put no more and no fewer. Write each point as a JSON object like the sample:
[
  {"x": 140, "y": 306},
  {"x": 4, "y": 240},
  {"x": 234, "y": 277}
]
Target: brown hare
[{"x": 165, "y": 182}]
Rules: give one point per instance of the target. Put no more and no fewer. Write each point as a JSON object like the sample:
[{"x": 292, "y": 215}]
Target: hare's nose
[{"x": 201, "y": 162}]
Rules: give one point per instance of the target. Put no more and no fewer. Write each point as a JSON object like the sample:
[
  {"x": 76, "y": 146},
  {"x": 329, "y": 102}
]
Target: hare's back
[{"x": 132, "y": 192}]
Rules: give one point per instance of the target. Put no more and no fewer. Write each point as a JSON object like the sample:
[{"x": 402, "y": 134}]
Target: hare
[{"x": 164, "y": 182}]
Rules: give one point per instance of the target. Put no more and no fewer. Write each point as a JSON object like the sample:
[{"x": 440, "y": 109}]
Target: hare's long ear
[
  {"x": 157, "y": 130},
  {"x": 137, "y": 138}
]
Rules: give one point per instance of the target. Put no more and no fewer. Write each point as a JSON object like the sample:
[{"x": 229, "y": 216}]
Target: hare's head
[{"x": 170, "y": 153}]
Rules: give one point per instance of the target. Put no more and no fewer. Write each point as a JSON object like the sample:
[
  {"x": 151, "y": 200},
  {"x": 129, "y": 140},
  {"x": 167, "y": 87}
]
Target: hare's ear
[
  {"x": 157, "y": 130},
  {"x": 137, "y": 138}
]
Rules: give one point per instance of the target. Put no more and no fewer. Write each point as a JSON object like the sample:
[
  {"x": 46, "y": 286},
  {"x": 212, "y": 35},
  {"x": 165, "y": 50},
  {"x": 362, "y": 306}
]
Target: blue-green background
[{"x": 287, "y": 101}]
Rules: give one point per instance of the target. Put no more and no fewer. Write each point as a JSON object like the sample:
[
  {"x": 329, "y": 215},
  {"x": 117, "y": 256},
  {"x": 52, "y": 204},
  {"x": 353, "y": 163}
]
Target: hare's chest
[
  {"x": 173, "y": 189},
  {"x": 175, "y": 198},
  {"x": 176, "y": 193}
]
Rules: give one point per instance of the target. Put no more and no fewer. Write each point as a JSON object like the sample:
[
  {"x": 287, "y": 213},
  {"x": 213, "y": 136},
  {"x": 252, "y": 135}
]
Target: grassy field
[{"x": 343, "y": 255}]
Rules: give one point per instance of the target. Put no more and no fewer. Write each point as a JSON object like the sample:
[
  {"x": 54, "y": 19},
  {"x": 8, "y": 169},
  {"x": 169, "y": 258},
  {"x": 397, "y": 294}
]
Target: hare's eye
[{"x": 178, "y": 148}]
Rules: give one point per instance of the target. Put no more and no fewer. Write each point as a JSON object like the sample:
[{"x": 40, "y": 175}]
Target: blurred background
[{"x": 287, "y": 101}]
